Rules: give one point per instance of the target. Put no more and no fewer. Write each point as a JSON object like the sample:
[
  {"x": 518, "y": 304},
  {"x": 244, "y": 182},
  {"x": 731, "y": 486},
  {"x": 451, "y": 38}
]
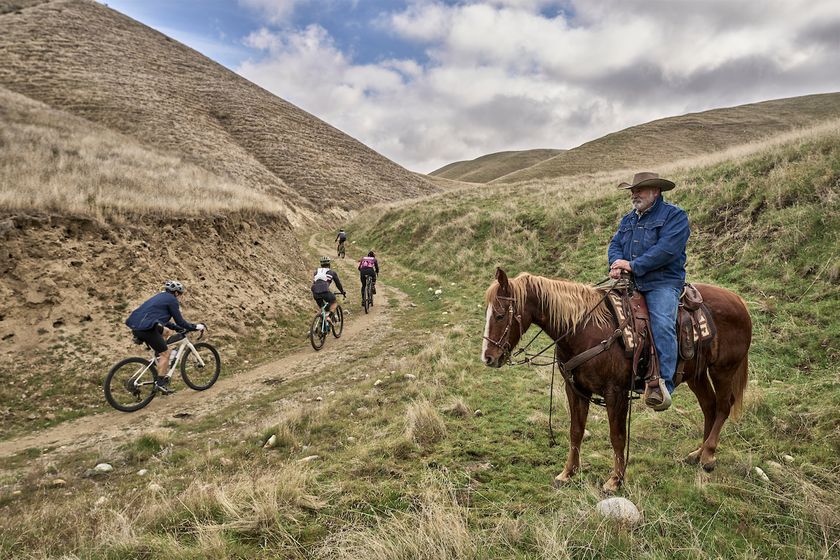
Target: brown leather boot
[{"x": 657, "y": 396}]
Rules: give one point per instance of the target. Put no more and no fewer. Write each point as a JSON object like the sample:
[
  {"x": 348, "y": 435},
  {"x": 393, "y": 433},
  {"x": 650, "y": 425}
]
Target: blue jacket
[
  {"x": 161, "y": 308},
  {"x": 654, "y": 244}
]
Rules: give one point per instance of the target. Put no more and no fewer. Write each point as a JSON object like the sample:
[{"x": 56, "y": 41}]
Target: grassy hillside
[
  {"x": 688, "y": 136},
  {"x": 84, "y": 58},
  {"x": 492, "y": 166},
  {"x": 407, "y": 468}
]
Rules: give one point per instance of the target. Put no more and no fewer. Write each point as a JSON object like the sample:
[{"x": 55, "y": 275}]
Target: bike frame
[{"x": 184, "y": 343}]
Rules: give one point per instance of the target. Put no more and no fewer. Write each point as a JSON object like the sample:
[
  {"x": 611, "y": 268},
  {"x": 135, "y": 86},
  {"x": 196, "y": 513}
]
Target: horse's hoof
[
  {"x": 561, "y": 479},
  {"x": 710, "y": 466},
  {"x": 693, "y": 458},
  {"x": 612, "y": 485}
]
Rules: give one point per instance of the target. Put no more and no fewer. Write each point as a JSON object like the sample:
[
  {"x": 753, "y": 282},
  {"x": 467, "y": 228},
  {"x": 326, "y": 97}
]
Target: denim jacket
[{"x": 654, "y": 243}]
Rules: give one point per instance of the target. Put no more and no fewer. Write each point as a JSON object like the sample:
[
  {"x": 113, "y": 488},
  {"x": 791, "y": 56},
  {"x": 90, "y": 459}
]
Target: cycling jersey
[
  {"x": 161, "y": 309},
  {"x": 322, "y": 279},
  {"x": 369, "y": 262},
  {"x": 342, "y": 237}
]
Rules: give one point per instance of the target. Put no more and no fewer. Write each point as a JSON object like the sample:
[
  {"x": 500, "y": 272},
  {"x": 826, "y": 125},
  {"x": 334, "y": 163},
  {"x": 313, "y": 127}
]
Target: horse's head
[{"x": 503, "y": 327}]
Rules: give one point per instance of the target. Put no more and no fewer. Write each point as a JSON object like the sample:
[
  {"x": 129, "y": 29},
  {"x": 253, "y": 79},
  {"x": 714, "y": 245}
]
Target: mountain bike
[
  {"x": 341, "y": 249},
  {"x": 367, "y": 297},
  {"x": 320, "y": 326},
  {"x": 130, "y": 385}
]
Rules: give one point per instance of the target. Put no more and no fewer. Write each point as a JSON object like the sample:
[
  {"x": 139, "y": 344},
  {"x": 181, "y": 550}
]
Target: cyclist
[
  {"x": 341, "y": 239},
  {"x": 368, "y": 266},
  {"x": 321, "y": 281},
  {"x": 152, "y": 323}
]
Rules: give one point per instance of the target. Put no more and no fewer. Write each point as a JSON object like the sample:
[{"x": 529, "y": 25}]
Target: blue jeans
[{"x": 663, "y": 305}]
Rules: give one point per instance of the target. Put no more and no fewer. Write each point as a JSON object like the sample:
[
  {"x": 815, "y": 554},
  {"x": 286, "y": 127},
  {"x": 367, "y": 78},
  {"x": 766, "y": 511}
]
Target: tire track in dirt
[{"x": 361, "y": 332}]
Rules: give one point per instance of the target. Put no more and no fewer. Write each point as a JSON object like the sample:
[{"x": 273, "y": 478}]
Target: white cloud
[
  {"x": 502, "y": 75},
  {"x": 275, "y": 11}
]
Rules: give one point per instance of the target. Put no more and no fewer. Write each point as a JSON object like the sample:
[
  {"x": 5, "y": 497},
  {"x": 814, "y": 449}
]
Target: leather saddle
[{"x": 695, "y": 331}]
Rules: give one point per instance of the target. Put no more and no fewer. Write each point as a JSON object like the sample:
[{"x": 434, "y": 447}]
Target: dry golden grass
[
  {"x": 51, "y": 160},
  {"x": 492, "y": 166},
  {"x": 93, "y": 62},
  {"x": 688, "y": 136},
  {"x": 423, "y": 424},
  {"x": 457, "y": 406},
  {"x": 437, "y": 530}
]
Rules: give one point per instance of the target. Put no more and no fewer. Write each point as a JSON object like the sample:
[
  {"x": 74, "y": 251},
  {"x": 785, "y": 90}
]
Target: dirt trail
[{"x": 361, "y": 331}]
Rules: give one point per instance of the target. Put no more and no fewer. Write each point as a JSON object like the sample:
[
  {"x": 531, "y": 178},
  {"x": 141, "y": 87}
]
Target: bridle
[{"x": 505, "y": 347}]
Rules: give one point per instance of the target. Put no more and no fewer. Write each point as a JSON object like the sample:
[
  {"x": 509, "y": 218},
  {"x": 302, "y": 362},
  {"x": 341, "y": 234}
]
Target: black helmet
[
  {"x": 372, "y": 254},
  {"x": 173, "y": 286}
]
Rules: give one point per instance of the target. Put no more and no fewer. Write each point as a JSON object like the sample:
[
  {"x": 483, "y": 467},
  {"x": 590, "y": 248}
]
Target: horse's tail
[{"x": 739, "y": 386}]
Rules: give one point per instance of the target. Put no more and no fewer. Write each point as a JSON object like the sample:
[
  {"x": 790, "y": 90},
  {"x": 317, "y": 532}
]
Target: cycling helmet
[
  {"x": 372, "y": 254},
  {"x": 173, "y": 286},
  {"x": 325, "y": 262}
]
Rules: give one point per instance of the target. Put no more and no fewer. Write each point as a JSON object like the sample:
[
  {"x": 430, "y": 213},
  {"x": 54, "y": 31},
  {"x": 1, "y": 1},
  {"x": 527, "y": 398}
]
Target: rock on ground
[{"x": 619, "y": 509}]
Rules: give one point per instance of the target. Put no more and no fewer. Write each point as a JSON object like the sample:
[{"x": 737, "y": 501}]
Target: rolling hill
[
  {"x": 657, "y": 142},
  {"x": 93, "y": 62},
  {"x": 492, "y": 166}
]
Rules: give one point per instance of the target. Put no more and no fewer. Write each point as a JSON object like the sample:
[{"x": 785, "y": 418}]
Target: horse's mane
[{"x": 567, "y": 303}]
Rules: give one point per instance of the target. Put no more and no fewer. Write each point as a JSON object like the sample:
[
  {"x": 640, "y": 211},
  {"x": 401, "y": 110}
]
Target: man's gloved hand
[{"x": 200, "y": 327}]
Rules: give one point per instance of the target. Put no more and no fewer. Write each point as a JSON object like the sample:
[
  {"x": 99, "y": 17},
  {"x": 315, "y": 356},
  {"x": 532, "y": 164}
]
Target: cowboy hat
[{"x": 648, "y": 179}]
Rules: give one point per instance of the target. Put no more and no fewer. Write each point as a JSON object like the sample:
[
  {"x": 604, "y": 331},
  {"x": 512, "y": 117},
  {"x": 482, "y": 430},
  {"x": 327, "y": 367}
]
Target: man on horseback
[{"x": 650, "y": 243}]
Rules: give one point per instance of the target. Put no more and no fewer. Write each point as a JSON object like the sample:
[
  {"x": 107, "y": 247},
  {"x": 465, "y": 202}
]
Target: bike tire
[
  {"x": 338, "y": 326},
  {"x": 316, "y": 334},
  {"x": 366, "y": 296},
  {"x": 210, "y": 372},
  {"x": 114, "y": 384}
]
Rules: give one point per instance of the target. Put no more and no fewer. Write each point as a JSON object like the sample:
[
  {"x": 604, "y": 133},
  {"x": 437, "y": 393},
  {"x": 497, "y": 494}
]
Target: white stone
[
  {"x": 619, "y": 509},
  {"x": 319, "y": 399},
  {"x": 351, "y": 439},
  {"x": 787, "y": 458},
  {"x": 438, "y": 292},
  {"x": 57, "y": 482},
  {"x": 155, "y": 487},
  {"x": 587, "y": 434},
  {"x": 410, "y": 376},
  {"x": 271, "y": 442},
  {"x": 103, "y": 467},
  {"x": 142, "y": 472},
  {"x": 377, "y": 383},
  {"x": 478, "y": 412},
  {"x": 308, "y": 459},
  {"x": 761, "y": 475}
]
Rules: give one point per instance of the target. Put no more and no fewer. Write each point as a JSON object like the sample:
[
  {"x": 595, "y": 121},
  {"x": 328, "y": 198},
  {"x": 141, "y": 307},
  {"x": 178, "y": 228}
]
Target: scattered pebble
[
  {"x": 761, "y": 475},
  {"x": 319, "y": 399},
  {"x": 438, "y": 292},
  {"x": 103, "y": 468},
  {"x": 478, "y": 412},
  {"x": 587, "y": 434},
  {"x": 16, "y": 492},
  {"x": 351, "y": 439},
  {"x": 410, "y": 376},
  {"x": 142, "y": 472},
  {"x": 310, "y": 458},
  {"x": 377, "y": 383},
  {"x": 271, "y": 442},
  {"x": 58, "y": 482},
  {"x": 787, "y": 458},
  {"x": 619, "y": 509}
]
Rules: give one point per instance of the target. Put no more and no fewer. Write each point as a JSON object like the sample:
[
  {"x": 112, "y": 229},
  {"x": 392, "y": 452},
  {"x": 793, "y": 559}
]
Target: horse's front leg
[
  {"x": 617, "y": 403},
  {"x": 579, "y": 410}
]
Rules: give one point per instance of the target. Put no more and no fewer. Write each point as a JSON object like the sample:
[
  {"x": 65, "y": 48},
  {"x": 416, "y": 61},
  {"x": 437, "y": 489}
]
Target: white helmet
[{"x": 173, "y": 286}]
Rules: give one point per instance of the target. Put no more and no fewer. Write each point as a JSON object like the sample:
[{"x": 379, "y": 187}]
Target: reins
[{"x": 566, "y": 368}]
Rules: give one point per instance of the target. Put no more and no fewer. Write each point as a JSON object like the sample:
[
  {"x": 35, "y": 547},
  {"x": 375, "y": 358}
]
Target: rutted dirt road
[{"x": 361, "y": 331}]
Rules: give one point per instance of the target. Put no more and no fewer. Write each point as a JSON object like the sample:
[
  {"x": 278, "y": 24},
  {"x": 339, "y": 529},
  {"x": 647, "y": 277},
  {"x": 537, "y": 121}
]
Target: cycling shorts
[
  {"x": 153, "y": 337},
  {"x": 323, "y": 297}
]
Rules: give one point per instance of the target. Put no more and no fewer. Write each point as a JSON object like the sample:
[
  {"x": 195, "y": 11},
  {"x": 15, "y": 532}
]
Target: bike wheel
[
  {"x": 316, "y": 332},
  {"x": 195, "y": 375},
  {"x": 338, "y": 326},
  {"x": 366, "y": 296},
  {"x": 126, "y": 389}
]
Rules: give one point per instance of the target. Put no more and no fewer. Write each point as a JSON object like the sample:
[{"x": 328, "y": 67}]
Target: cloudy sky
[{"x": 428, "y": 82}]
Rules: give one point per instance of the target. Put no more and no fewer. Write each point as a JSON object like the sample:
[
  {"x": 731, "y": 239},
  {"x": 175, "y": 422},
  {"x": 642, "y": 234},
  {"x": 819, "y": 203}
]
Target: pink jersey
[{"x": 367, "y": 262}]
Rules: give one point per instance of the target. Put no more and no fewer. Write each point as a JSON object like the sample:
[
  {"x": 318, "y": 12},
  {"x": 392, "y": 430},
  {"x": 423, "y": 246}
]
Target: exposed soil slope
[
  {"x": 492, "y": 166},
  {"x": 96, "y": 63},
  {"x": 686, "y": 136}
]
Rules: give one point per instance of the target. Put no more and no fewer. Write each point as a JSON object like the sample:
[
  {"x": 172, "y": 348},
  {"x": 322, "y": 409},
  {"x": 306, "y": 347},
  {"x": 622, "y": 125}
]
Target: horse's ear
[{"x": 502, "y": 278}]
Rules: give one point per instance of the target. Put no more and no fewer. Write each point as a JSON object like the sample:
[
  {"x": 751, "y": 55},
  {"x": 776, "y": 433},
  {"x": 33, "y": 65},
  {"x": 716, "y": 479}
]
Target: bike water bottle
[{"x": 172, "y": 356}]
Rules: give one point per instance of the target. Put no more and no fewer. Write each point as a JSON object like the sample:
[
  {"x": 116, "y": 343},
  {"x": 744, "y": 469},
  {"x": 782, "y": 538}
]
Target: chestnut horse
[{"x": 564, "y": 311}]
